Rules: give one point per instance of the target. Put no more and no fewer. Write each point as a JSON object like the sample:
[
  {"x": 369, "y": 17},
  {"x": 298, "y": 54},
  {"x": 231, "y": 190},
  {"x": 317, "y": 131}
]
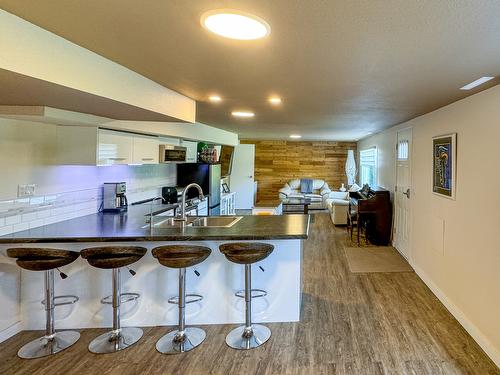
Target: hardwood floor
[{"x": 352, "y": 324}]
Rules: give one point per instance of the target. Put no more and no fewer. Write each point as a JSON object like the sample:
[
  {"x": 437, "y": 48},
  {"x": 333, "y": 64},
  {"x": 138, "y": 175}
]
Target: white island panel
[{"x": 218, "y": 281}]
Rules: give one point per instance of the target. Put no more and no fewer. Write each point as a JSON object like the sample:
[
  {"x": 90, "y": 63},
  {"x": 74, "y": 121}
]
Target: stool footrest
[
  {"x": 190, "y": 298},
  {"x": 70, "y": 300},
  {"x": 124, "y": 298},
  {"x": 256, "y": 293}
]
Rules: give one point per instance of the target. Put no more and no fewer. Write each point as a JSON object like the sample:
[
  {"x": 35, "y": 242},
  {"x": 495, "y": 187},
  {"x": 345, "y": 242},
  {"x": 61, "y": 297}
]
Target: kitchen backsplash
[
  {"x": 62, "y": 192},
  {"x": 25, "y": 213}
]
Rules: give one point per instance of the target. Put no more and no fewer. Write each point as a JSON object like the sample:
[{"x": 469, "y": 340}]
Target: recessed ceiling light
[
  {"x": 235, "y": 24},
  {"x": 476, "y": 83},
  {"x": 295, "y": 136},
  {"x": 214, "y": 98},
  {"x": 246, "y": 114},
  {"x": 275, "y": 100}
]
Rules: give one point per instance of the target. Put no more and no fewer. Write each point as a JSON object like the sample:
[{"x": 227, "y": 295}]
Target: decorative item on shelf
[
  {"x": 443, "y": 167},
  {"x": 342, "y": 188},
  {"x": 208, "y": 154},
  {"x": 225, "y": 188},
  {"x": 350, "y": 168}
]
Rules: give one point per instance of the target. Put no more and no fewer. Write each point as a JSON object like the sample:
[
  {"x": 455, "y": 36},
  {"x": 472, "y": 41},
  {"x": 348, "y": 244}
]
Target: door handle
[{"x": 407, "y": 193}]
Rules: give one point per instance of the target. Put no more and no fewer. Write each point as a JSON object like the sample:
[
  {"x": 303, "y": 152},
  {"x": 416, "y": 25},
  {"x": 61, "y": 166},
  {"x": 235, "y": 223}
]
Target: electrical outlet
[{"x": 25, "y": 190}]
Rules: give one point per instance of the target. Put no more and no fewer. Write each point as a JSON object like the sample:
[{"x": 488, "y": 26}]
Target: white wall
[
  {"x": 34, "y": 52},
  {"x": 27, "y": 156},
  {"x": 465, "y": 273},
  {"x": 385, "y": 143}
]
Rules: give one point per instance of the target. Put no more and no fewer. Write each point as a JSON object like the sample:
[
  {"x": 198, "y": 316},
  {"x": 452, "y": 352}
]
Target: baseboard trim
[
  {"x": 476, "y": 334},
  {"x": 10, "y": 331}
]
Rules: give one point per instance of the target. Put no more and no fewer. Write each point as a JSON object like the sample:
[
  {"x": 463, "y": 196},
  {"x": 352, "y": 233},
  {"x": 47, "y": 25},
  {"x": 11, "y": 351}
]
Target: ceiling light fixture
[
  {"x": 476, "y": 83},
  {"x": 215, "y": 98},
  {"x": 245, "y": 114},
  {"x": 275, "y": 100},
  {"x": 235, "y": 24},
  {"x": 295, "y": 136}
]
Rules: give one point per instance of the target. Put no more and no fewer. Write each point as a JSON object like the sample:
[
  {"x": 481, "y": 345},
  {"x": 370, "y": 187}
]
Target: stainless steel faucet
[{"x": 183, "y": 202}]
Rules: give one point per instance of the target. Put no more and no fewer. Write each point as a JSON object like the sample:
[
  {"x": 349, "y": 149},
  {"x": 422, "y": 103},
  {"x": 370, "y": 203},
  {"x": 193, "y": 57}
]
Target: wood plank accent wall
[{"x": 277, "y": 162}]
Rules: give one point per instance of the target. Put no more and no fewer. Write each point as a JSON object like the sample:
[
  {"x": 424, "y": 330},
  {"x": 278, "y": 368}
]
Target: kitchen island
[{"x": 279, "y": 274}]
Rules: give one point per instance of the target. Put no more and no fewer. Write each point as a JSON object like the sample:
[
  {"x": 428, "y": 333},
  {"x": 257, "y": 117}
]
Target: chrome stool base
[
  {"x": 237, "y": 339},
  {"x": 111, "y": 342},
  {"x": 44, "y": 346},
  {"x": 193, "y": 337}
]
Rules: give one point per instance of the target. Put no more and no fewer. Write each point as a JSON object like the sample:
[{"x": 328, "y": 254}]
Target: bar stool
[
  {"x": 45, "y": 259},
  {"x": 250, "y": 335},
  {"x": 115, "y": 257},
  {"x": 183, "y": 339}
]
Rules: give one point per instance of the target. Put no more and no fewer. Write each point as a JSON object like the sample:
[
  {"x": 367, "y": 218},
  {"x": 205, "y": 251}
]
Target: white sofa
[
  {"x": 320, "y": 191},
  {"x": 337, "y": 203}
]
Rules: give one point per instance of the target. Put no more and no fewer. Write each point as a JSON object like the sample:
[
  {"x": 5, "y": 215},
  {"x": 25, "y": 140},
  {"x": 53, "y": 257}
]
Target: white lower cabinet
[{"x": 227, "y": 204}]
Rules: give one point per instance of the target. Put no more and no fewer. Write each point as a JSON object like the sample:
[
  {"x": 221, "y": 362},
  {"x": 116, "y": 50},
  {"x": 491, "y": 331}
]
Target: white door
[
  {"x": 403, "y": 192},
  {"x": 242, "y": 180}
]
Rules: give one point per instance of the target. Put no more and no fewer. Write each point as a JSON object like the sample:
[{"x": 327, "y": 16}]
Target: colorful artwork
[{"x": 444, "y": 165}]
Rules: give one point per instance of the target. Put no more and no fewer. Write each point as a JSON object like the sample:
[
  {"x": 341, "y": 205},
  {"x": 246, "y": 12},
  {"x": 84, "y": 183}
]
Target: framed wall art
[{"x": 444, "y": 152}]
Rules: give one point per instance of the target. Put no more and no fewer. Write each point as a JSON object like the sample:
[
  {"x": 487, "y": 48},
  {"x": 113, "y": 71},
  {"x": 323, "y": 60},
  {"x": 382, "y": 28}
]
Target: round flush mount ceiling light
[
  {"x": 215, "y": 98},
  {"x": 235, "y": 24},
  {"x": 244, "y": 114},
  {"x": 275, "y": 100},
  {"x": 295, "y": 136}
]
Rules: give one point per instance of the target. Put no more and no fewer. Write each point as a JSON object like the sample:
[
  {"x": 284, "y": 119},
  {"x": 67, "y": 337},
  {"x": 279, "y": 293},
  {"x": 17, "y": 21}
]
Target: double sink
[{"x": 198, "y": 222}]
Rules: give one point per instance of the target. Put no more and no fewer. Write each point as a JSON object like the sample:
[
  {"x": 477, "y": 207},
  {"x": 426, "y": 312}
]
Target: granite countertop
[{"x": 127, "y": 226}]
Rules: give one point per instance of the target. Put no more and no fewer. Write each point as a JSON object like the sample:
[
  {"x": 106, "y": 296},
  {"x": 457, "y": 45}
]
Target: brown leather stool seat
[
  {"x": 47, "y": 260},
  {"x": 181, "y": 256},
  {"x": 109, "y": 257},
  {"x": 42, "y": 259},
  {"x": 250, "y": 335},
  {"x": 115, "y": 257},
  {"x": 183, "y": 339},
  {"x": 246, "y": 252}
]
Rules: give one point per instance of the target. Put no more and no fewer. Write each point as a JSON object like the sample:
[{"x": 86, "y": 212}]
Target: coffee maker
[{"x": 114, "y": 198}]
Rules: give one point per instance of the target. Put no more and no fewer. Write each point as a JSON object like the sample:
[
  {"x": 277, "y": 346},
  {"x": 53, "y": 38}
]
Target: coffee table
[{"x": 296, "y": 205}]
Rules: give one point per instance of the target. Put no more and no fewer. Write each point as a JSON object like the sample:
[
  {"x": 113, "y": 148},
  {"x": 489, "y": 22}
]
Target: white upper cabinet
[
  {"x": 191, "y": 152},
  {"x": 79, "y": 145},
  {"x": 114, "y": 148},
  {"x": 145, "y": 150}
]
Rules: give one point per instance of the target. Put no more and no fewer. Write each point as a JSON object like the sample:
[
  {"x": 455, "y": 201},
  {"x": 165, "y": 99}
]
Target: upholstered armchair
[{"x": 337, "y": 203}]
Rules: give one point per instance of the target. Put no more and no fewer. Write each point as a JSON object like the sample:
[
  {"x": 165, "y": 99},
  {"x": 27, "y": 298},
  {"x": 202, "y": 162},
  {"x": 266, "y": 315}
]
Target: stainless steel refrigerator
[{"x": 208, "y": 176}]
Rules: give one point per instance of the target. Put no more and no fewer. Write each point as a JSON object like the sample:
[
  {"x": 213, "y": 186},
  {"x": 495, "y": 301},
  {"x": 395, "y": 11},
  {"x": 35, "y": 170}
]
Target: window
[
  {"x": 368, "y": 167},
  {"x": 403, "y": 148}
]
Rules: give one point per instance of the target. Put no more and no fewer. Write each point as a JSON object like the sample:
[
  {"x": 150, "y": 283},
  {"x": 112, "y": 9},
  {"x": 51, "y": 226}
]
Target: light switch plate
[{"x": 27, "y": 190}]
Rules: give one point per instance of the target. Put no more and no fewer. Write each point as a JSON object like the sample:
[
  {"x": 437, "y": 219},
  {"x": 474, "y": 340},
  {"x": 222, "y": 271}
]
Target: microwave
[{"x": 172, "y": 154}]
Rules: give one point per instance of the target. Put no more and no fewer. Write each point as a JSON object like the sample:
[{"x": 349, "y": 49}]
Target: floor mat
[{"x": 375, "y": 259}]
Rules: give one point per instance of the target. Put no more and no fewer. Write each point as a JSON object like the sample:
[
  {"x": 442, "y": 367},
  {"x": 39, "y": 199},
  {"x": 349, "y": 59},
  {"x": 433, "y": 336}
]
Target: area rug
[{"x": 375, "y": 259}]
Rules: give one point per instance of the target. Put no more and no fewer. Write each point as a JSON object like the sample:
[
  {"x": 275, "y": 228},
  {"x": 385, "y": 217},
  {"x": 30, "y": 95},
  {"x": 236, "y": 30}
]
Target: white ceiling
[{"x": 343, "y": 68}]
